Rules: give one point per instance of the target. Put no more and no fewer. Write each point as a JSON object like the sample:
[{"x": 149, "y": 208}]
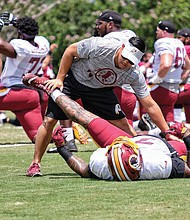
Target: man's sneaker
[
  {"x": 71, "y": 146},
  {"x": 52, "y": 150},
  {"x": 79, "y": 133},
  {"x": 3, "y": 118},
  {"x": 34, "y": 81},
  {"x": 34, "y": 170},
  {"x": 146, "y": 124}
]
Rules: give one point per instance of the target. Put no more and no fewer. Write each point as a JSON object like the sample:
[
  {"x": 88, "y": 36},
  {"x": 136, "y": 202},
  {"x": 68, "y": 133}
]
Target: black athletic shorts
[
  {"x": 101, "y": 102},
  {"x": 178, "y": 165},
  {"x": 178, "y": 168}
]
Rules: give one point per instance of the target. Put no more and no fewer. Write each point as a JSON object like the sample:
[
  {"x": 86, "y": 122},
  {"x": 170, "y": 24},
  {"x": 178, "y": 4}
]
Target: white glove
[
  {"x": 8, "y": 18},
  {"x": 1, "y": 24},
  {"x": 155, "y": 80}
]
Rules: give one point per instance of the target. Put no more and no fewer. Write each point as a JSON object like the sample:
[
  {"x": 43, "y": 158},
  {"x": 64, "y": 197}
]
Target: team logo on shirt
[
  {"x": 106, "y": 76},
  {"x": 117, "y": 109}
]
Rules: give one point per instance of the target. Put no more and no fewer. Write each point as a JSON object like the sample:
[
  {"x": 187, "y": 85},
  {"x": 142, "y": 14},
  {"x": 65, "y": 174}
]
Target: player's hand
[
  {"x": 8, "y": 18},
  {"x": 1, "y": 24},
  {"x": 51, "y": 85},
  {"x": 170, "y": 137}
]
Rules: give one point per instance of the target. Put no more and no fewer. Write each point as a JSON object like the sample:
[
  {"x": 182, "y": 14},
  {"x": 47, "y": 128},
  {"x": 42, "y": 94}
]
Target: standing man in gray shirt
[{"x": 89, "y": 70}]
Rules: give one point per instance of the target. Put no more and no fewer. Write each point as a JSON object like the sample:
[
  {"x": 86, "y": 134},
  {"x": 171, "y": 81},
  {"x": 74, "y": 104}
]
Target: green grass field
[{"x": 62, "y": 194}]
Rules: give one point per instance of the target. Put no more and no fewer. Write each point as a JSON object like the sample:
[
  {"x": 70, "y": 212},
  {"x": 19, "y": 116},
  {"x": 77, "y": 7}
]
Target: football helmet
[{"x": 124, "y": 159}]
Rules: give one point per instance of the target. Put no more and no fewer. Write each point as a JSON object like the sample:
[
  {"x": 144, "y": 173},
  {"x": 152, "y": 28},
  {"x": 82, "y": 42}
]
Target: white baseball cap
[
  {"x": 132, "y": 53},
  {"x": 128, "y": 33}
]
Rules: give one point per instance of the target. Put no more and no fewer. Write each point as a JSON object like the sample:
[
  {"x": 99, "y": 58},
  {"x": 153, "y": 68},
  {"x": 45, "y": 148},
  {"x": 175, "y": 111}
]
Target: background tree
[{"x": 67, "y": 21}]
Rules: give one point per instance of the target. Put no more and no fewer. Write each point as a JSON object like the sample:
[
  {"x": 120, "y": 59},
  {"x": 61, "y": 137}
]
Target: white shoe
[{"x": 2, "y": 117}]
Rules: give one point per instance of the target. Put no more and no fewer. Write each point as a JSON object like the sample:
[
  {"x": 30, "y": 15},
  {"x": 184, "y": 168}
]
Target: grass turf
[{"x": 62, "y": 194}]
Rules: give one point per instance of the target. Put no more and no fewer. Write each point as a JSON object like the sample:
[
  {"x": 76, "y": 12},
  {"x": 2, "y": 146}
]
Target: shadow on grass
[
  {"x": 67, "y": 175},
  {"x": 56, "y": 175},
  {"x": 85, "y": 151},
  {"x": 61, "y": 175}
]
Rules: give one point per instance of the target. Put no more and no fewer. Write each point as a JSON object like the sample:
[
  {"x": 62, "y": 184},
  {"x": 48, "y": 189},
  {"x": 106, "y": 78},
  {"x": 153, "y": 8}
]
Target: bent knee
[{"x": 49, "y": 123}]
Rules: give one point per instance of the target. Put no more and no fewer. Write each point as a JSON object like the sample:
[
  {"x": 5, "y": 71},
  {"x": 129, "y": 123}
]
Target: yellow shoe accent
[{"x": 80, "y": 133}]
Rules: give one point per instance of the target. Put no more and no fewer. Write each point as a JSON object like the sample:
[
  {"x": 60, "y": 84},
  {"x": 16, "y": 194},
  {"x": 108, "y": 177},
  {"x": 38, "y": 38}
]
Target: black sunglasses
[{"x": 127, "y": 60}]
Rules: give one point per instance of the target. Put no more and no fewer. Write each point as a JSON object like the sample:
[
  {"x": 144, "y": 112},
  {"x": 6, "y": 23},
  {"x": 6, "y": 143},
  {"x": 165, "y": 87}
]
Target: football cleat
[
  {"x": 145, "y": 123},
  {"x": 70, "y": 145},
  {"x": 34, "y": 170},
  {"x": 36, "y": 82},
  {"x": 52, "y": 150},
  {"x": 3, "y": 118},
  {"x": 79, "y": 133}
]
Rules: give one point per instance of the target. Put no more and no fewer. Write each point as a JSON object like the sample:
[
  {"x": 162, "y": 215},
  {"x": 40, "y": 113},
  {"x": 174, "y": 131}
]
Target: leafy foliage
[{"x": 67, "y": 21}]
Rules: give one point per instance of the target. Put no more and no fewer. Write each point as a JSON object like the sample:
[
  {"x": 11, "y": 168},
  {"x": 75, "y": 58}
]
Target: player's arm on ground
[{"x": 78, "y": 165}]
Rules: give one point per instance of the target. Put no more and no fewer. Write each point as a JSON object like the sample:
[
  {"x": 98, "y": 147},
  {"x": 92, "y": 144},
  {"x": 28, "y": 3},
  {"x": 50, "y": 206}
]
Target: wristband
[{"x": 65, "y": 153}]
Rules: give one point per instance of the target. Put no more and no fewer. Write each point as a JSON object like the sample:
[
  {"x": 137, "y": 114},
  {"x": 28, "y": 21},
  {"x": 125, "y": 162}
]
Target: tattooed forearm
[{"x": 74, "y": 111}]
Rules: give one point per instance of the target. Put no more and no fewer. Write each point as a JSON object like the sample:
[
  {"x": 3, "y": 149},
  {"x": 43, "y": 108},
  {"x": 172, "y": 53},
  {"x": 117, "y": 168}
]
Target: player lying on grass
[{"x": 121, "y": 157}]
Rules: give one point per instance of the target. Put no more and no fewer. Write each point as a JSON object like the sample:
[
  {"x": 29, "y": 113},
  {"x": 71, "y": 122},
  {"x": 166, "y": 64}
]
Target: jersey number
[
  {"x": 35, "y": 61},
  {"x": 179, "y": 57},
  {"x": 146, "y": 141}
]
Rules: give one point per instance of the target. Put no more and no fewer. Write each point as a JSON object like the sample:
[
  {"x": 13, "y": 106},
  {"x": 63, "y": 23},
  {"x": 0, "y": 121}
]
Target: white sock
[
  {"x": 177, "y": 114},
  {"x": 68, "y": 133},
  {"x": 55, "y": 94},
  {"x": 135, "y": 125},
  {"x": 155, "y": 131}
]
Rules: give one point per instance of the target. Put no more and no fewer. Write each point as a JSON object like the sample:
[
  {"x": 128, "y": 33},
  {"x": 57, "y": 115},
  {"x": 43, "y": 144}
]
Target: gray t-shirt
[{"x": 96, "y": 69}]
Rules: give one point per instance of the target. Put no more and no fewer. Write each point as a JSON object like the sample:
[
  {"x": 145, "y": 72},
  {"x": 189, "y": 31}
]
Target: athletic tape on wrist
[{"x": 55, "y": 94}]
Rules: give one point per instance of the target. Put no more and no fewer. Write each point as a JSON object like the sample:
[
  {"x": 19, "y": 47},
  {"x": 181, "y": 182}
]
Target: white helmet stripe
[{"x": 121, "y": 164}]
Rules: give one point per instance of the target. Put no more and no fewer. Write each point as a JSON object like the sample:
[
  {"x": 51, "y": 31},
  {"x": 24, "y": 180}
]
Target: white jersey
[
  {"x": 29, "y": 59},
  {"x": 99, "y": 164},
  {"x": 96, "y": 69},
  {"x": 156, "y": 157},
  {"x": 175, "y": 47},
  {"x": 121, "y": 36}
]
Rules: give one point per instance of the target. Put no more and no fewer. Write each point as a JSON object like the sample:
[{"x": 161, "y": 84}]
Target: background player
[{"x": 26, "y": 53}]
